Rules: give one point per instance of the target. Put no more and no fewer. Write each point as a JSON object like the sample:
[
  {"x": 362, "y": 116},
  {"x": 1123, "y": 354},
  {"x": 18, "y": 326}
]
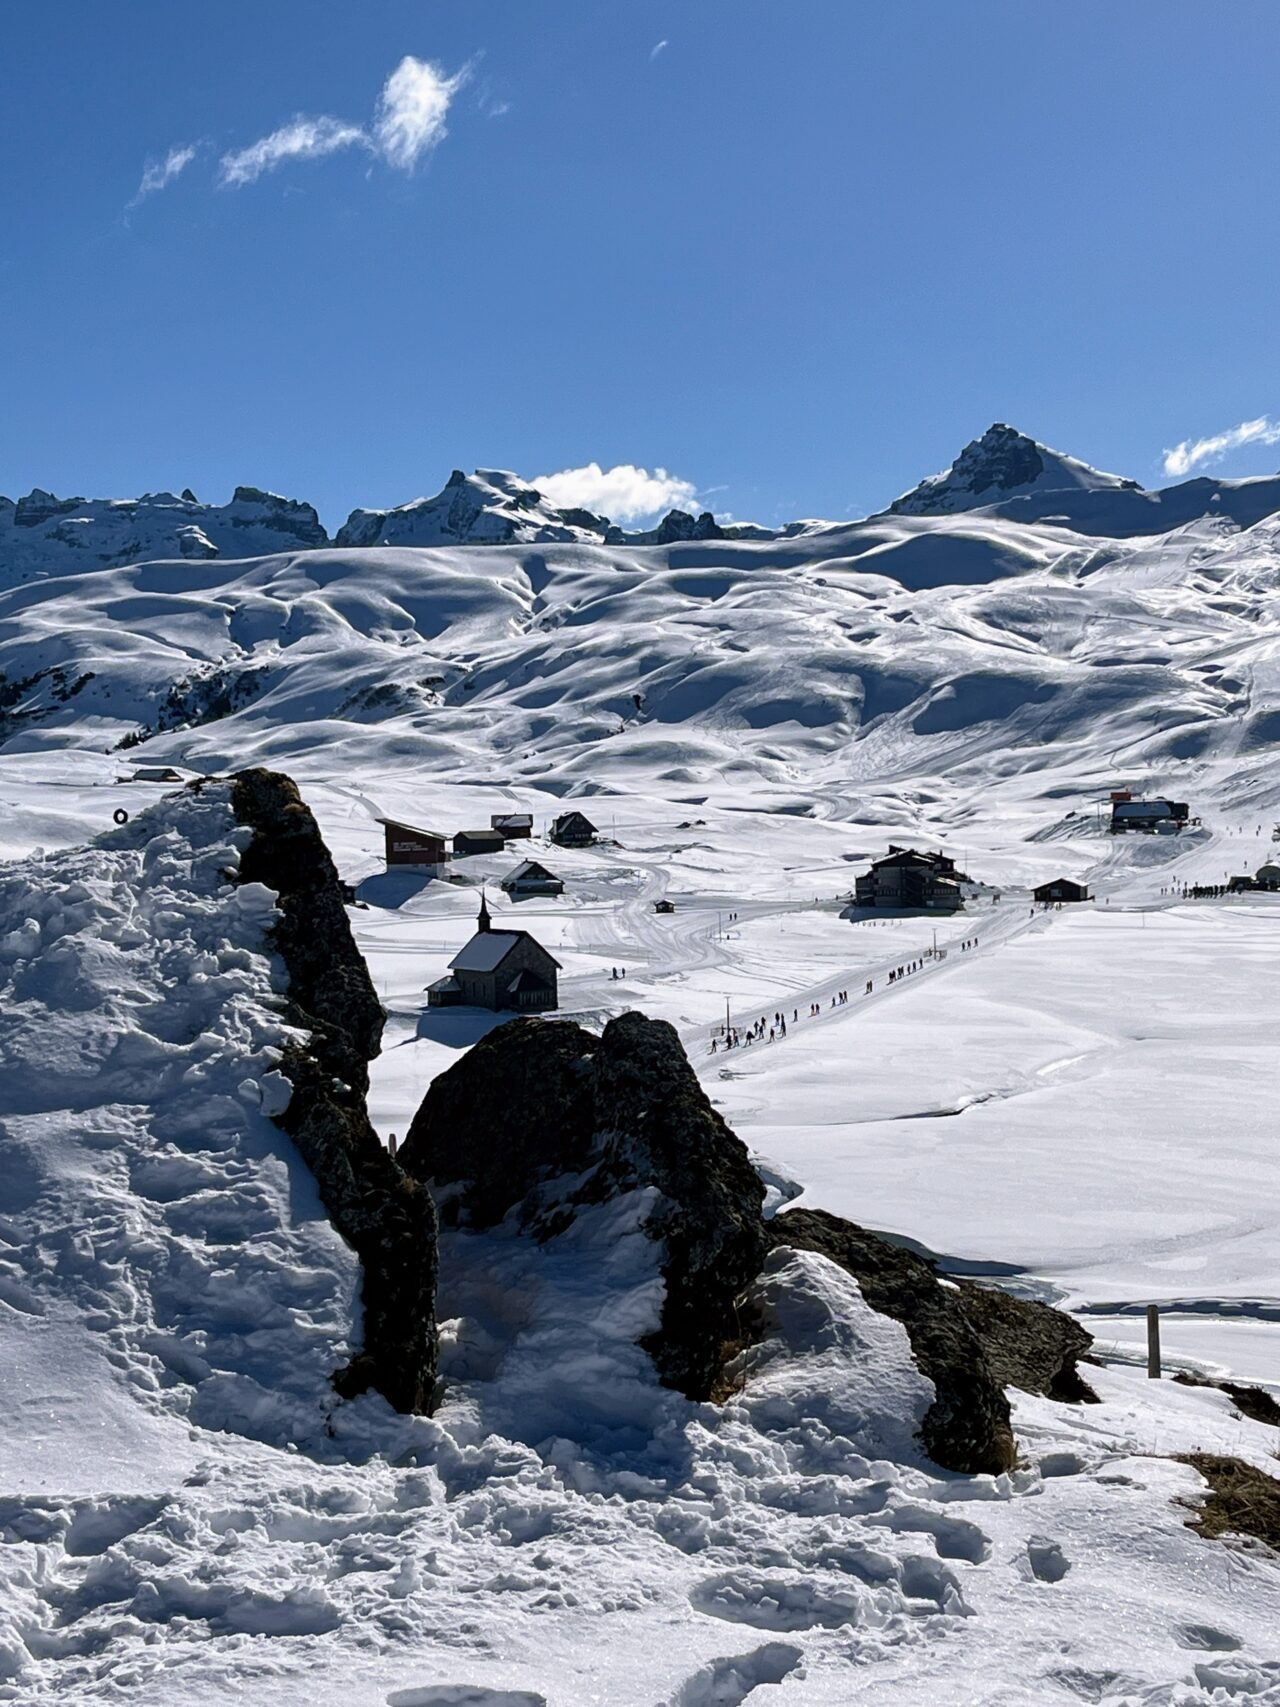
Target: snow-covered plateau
[{"x": 1079, "y": 1103}]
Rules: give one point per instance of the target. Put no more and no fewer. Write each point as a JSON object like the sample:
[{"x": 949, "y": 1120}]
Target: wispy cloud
[
  {"x": 159, "y": 174},
  {"x": 1192, "y": 452},
  {"x": 659, "y": 47},
  {"x": 408, "y": 122},
  {"x": 301, "y": 139},
  {"x": 625, "y": 493},
  {"x": 412, "y": 108}
]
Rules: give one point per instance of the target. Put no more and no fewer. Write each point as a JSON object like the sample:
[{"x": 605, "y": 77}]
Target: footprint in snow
[
  {"x": 728, "y": 1682},
  {"x": 1045, "y": 1560}
]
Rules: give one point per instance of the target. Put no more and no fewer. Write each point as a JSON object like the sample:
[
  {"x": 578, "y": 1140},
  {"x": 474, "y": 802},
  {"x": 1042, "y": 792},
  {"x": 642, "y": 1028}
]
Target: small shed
[
  {"x": 531, "y": 878},
  {"x": 512, "y": 826},
  {"x": 664, "y": 906},
  {"x": 468, "y": 842},
  {"x": 1060, "y": 889},
  {"x": 573, "y": 830},
  {"x": 156, "y": 773},
  {"x": 410, "y": 844}
]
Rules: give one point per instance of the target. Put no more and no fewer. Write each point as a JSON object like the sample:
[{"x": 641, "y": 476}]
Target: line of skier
[{"x": 766, "y": 1030}]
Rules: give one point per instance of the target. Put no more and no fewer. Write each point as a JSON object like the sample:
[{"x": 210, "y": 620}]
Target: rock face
[
  {"x": 543, "y": 1117},
  {"x": 1027, "y": 1344},
  {"x": 967, "y": 1427},
  {"x": 384, "y": 1215}
]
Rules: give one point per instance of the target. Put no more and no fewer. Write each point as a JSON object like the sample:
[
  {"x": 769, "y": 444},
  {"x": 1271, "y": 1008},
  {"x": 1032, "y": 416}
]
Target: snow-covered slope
[
  {"x": 187, "y": 1511},
  {"x": 870, "y": 652}
]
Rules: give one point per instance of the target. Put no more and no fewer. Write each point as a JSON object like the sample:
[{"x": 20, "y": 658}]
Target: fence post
[{"x": 1153, "y": 1342}]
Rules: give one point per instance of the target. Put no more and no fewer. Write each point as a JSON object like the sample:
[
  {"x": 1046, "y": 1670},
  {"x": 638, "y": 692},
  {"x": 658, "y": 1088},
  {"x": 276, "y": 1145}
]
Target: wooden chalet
[
  {"x": 909, "y": 880},
  {"x": 573, "y": 830},
  {"x": 512, "y": 826},
  {"x": 468, "y": 842},
  {"x": 1060, "y": 889},
  {"x": 531, "y": 878},
  {"x": 505, "y": 971},
  {"x": 410, "y": 844},
  {"x": 664, "y": 906}
]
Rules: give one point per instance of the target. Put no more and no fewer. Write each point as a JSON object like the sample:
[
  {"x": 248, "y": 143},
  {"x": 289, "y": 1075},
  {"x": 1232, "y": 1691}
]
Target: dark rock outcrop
[
  {"x": 1252, "y": 1402},
  {"x": 543, "y": 1118},
  {"x": 383, "y": 1214},
  {"x": 1029, "y": 1345},
  {"x": 967, "y": 1427}
]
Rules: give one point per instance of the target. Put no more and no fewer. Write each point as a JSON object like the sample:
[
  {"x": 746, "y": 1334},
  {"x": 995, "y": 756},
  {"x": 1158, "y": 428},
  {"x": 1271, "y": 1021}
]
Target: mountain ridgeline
[{"x": 1004, "y": 473}]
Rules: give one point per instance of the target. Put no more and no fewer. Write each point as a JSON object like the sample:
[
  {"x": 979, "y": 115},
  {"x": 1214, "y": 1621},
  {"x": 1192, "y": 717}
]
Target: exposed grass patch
[{"x": 1243, "y": 1500}]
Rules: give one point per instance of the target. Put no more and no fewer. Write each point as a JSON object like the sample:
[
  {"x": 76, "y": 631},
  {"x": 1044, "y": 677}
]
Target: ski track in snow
[{"x": 1081, "y": 1103}]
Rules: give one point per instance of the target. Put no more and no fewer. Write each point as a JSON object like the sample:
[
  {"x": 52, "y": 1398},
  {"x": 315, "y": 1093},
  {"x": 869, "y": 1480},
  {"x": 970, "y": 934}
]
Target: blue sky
[{"x": 795, "y": 255}]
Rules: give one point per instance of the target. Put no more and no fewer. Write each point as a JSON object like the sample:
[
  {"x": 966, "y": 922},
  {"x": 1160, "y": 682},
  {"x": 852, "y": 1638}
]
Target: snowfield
[{"x": 1079, "y": 1102}]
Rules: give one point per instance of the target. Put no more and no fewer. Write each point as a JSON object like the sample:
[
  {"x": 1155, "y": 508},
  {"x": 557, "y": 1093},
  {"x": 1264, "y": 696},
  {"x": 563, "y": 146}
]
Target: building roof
[
  {"x": 414, "y": 829},
  {"x": 492, "y": 837},
  {"x": 445, "y": 987},
  {"x": 488, "y": 949},
  {"x": 574, "y": 817},
  {"x": 521, "y": 818}
]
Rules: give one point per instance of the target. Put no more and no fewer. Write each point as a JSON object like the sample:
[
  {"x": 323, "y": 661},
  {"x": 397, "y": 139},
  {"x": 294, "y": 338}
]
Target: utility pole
[
  {"x": 1153, "y": 1342},
  {"x": 726, "y": 1019}
]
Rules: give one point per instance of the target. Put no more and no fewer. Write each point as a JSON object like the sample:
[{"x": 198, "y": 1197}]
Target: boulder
[
  {"x": 967, "y": 1428},
  {"x": 385, "y": 1215},
  {"x": 542, "y": 1118},
  {"x": 1029, "y": 1345}
]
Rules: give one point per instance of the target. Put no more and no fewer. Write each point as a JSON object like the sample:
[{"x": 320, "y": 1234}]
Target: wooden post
[{"x": 1153, "y": 1342}]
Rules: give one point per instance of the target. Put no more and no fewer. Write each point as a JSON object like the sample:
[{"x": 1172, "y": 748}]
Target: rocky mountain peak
[{"x": 1003, "y": 463}]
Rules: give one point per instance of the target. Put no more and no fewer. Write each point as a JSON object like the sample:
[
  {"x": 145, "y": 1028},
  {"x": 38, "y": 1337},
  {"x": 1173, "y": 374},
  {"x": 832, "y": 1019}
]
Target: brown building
[
  {"x": 513, "y": 826},
  {"x": 908, "y": 880},
  {"x": 506, "y": 971},
  {"x": 407, "y": 844},
  {"x": 1061, "y": 889},
  {"x": 573, "y": 830},
  {"x": 468, "y": 842}
]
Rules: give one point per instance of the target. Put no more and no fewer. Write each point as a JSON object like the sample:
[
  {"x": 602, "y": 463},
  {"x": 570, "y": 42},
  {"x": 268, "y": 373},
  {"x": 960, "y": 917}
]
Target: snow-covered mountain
[
  {"x": 1005, "y": 473},
  {"x": 44, "y": 535},
  {"x": 489, "y": 507},
  {"x": 1003, "y": 464}
]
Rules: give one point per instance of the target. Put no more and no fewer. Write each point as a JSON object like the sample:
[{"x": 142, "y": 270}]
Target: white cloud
[
  {"x": 624, "y": 493},
  {"x": 301, "y": 139},
  {"x": 412, "y": 109},
  {"x": 159, "y": 174},
  {"x": 1191, "y": 453},
  {"x": 658, "y": 48},
  {"x": 409, "y": 121}
]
